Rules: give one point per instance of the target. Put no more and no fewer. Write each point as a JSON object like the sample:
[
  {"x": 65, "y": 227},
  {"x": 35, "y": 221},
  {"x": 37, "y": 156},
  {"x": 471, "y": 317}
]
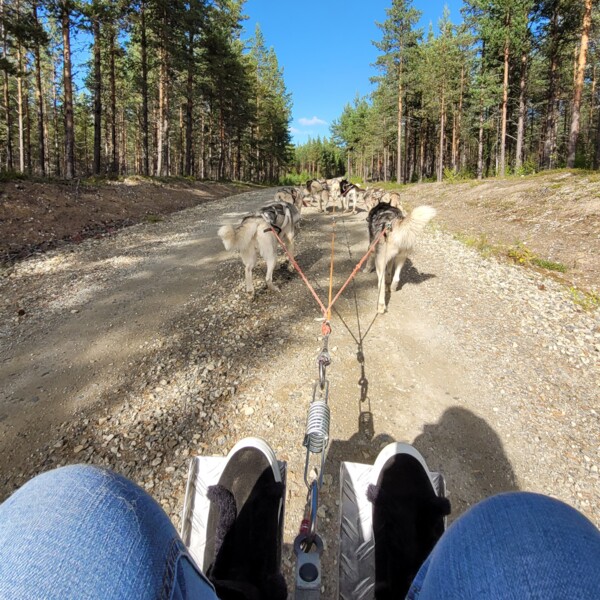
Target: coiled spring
[{"x": 317, "y": 426}]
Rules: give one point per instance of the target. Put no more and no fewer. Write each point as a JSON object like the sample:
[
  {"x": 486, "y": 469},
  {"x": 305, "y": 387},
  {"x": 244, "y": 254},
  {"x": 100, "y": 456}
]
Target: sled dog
[
  {"x": 253, "y": 236},
  {"x": 396, "y": 244},
  {"x": 350, "y": 193},
  {"x": 291, "y": 195},
  {"x": 319, "y": 190},
  {"x": 373, "y": 196}
]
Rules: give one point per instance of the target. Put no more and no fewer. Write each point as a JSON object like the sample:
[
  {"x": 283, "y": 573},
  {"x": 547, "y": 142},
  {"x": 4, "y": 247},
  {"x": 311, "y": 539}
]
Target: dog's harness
[
  {"x": 276, "y": 215},
  {"x": 347, "y": 188}
]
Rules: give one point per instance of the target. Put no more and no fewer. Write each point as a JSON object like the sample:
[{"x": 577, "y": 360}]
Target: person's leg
[
  {"x": 514, "y": 546},
  {"x": 81, "y": 532}
]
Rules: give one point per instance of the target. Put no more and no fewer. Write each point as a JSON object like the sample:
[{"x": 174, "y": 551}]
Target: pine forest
[
  {"x": 169, "y": 88},
  {"x": 513, "y": 89}
]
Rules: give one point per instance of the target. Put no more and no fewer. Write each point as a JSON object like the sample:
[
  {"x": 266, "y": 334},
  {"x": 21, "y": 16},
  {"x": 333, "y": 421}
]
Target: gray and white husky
[
  {"x": 396, "y": 244},
  {"x": 254, "y": 236},
  {"x": 291, "y": 195}
]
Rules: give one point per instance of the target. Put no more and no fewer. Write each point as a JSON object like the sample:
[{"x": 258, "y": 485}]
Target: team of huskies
[{"x": 254, "y": 235}]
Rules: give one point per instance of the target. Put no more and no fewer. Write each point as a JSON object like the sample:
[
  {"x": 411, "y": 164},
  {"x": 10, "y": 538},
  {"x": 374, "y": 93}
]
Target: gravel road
[{"x": 141, "y": 349}]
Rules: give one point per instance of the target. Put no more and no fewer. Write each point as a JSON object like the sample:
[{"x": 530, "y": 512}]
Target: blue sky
[{"x": 325, "y": 49}]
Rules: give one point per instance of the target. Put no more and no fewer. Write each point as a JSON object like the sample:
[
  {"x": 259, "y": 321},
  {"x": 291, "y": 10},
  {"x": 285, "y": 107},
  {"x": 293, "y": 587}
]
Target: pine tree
[{"x": 398, "y": 41}]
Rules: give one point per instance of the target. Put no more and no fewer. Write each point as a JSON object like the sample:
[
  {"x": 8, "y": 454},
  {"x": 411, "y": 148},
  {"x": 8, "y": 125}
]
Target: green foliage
[
  {"x": 549, "y": 265},
  {"x": 11, "y": 175},
  {"x": 520, "y": 253},
  {"x": 318, "y": 158},
  {"x": 587, "y": 300},
  {"x": 479, "y": 243},
  {"x": 527, "y": 168},
  {"x": 452, "y": 176},
  {"x": 523, "y": 255}
]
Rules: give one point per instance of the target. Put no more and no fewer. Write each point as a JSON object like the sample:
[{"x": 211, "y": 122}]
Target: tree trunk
[
  {"x": 114, "y": 165},
  {"x": 163, "y": 124},
  {"x": 202, "y": 169},
  {"x": 504, "y": 107},
  {"x": 596, "y": 164},
  {"x": 26, "y": 105},
  {"x": 585, "y": 31},
  {"x": 7, "y": 108},
  {"x": 39, "y": 96},
  {"x": 440, "y": 170},
  {"x": 97, "y": 95},
  {"x": 480, "y": 144},
  {"x": 459, "y": 116},
  {"x": 406, "y": 134},
  {"x": 68, "y": 96},
  {"x": 453, "y": 144},
  {"x": 20, "y": 108},
  {"x": 399, "y": 149},
  {"x": 522, "y": 111},
  {"x": 189, "y": 109},
  {"x": 123, "y": 153},
  {"x": 57, "y": 158},
  {"x": 144, "y": 59},
  {"x": 549, "y": 145}
]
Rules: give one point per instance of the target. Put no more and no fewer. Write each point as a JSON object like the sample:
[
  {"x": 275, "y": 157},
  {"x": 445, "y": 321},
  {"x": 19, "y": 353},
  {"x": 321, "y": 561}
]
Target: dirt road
[{"x": 139, "y": 350}]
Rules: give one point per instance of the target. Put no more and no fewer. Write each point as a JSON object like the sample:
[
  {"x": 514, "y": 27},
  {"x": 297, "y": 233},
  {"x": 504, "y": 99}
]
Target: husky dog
[
  {"x": 254, "y": 236},
  {"x": 291, "y": 195},
  {"x": 392, "y": 198},
  {"x": 350, "y": 193},
  {"x": 318, "y": 188},
  {"x": 334, "y": 189},
  {"x": 396, "y": 244},
  {"x": 373, "y": 196}
]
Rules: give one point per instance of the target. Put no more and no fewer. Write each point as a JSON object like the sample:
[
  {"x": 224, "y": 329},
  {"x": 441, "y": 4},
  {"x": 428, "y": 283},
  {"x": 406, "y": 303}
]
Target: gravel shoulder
[{"x": 141, "y": 349}]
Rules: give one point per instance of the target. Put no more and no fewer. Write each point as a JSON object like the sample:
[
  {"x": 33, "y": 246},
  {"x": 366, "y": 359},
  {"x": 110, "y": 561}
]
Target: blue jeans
[{"x": 81, "y": 532}]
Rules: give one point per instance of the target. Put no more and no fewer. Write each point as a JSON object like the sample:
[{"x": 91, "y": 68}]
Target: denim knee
[
  {"x": 86, "y": 532},
  {"x": 514, "y": 545}
]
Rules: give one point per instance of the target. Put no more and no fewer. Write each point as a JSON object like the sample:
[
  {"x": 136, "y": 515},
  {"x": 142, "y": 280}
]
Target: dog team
[{"x": 254, "y": 236}]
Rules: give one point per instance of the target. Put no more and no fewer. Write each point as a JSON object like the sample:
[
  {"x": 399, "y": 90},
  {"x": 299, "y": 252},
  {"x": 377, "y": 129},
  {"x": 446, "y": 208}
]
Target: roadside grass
[
  {"x": 587, "y": 300},
  {"x": 151, "y": 218},
  {"x": 525, "y": 257},
  {"x": 518, "y": 253},
  {"x": 480, "y": 243}
]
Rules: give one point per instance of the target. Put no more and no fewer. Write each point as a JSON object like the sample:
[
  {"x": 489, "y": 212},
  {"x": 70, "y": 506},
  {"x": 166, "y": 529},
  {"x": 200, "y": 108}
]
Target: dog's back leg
[
  {"x": 381, "y": 266},
  {"x": 290, "y": 244},
  {"x": 398, "y": 264},
  {"x": 249, "y": 257},
  {"x": 267, "y": 245}
]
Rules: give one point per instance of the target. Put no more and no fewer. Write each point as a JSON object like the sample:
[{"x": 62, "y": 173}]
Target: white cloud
[
  {"x": 314, "y": 121},
  {"x": 294, "y": 130}
]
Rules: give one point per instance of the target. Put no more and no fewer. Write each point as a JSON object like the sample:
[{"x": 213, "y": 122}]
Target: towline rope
[{"x": 327, "y": 310}]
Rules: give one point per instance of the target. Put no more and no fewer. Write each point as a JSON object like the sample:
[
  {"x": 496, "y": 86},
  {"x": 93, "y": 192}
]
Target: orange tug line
[{"x": 326, "y": 329}]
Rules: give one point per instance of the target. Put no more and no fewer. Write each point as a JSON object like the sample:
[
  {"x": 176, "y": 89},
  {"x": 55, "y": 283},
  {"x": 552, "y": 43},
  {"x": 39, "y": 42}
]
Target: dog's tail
[
  {"x": 235, "y": 238},
  {"x": 418, "y": 219},
  {"x": 407, "y": 230}
]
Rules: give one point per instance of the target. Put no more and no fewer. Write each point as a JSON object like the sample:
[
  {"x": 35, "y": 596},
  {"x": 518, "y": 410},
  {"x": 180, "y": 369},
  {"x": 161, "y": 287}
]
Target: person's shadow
[{"x": 470, "y": 455}]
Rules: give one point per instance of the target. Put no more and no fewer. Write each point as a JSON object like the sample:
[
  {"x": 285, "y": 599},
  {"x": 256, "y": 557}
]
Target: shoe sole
[
  {"x": 394, "y": 449},
  {"x": 262, "y": 446}
]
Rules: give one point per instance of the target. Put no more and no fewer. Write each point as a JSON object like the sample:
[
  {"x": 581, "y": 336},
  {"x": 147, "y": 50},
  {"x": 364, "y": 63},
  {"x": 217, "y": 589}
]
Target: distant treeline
[
  {"x": 169, "y": 89},
  {"x": 514, "y": 89}
]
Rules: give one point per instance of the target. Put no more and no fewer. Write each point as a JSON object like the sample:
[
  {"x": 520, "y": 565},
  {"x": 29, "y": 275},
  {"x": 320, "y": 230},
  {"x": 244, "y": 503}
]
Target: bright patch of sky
[{"x": 326, "y": 51}]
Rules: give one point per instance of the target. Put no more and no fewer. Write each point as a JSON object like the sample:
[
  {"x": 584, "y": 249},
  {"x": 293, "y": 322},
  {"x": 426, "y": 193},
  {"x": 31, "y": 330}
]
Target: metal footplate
[
  {"x": 356, "y": 559},
  {"x": 204, "y": 472}
]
